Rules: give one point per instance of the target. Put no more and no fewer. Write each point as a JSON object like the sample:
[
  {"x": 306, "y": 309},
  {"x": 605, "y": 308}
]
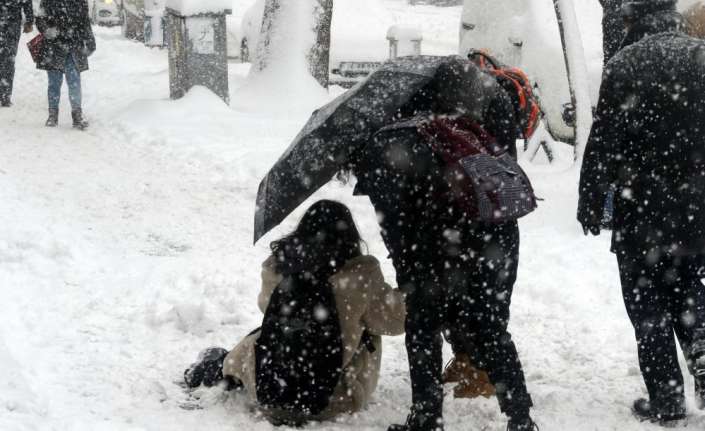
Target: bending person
[{"x": 342, "y": 306}]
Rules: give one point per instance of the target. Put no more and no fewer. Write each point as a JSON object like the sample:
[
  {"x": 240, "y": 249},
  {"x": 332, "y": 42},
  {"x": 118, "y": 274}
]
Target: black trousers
[
  {"x": 663, "y": 296},
  {"x": 10, "y": 32},
  {"x": 469, "y": 293}
]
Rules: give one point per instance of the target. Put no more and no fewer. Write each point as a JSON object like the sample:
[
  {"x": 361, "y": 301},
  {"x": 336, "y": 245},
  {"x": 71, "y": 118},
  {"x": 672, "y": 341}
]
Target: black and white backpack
[{"x": 299, "y": 353}]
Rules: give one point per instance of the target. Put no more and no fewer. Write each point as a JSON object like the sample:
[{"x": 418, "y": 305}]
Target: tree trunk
[
  {"x": 319, "y": 56},
  {"x": 269, "y": 20}
]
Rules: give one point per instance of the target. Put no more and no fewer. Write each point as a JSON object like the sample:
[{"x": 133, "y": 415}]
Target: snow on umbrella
[{"x": 339, "y": 129}]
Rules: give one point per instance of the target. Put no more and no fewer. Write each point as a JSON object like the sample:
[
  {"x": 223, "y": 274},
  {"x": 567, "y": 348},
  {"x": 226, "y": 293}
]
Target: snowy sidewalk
[{"x": 126, "y": 249}]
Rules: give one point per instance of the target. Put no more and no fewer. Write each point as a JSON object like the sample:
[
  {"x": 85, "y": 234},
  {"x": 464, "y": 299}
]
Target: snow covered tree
[{"x": 299, "y": 28}]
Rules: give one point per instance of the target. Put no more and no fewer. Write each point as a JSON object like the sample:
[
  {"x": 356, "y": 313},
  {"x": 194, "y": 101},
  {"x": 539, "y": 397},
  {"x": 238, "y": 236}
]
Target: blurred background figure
[
  {"x": 68, "y": 42},
  {"x": 695, "y": 20},
  {"x": 11, "y": 25}
]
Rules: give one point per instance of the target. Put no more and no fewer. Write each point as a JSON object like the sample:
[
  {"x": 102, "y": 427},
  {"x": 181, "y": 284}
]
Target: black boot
[
  {"x": 5, "y": 103},
  {"x": 523, "y": 423},
  {"x": 664, "y": 416},
  {"x": 53, "y": 119},
  {"x": 78, "y": 121},
  {"x": 208, "y": 368},
  {"x": 420, "y": 422}
]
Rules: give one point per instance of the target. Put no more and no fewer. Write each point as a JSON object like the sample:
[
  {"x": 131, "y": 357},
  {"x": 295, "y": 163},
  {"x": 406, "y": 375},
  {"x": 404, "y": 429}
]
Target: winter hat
[{"x": 634, "y": 10}]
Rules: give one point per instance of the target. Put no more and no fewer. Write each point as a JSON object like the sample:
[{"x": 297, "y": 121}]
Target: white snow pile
[
  {"x": 280, "y": 79},
  {"x": 200, "y": 108},
  {"x": 196, "y": 7}
]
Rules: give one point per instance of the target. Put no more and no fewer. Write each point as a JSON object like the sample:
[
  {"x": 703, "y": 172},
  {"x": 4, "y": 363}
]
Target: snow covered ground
[{"x": 126, "y": 249}]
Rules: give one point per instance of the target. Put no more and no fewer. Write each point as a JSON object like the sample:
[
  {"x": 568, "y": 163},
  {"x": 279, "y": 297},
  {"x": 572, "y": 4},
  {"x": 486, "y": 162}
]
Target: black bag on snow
[{"x": 299, "y": 353}]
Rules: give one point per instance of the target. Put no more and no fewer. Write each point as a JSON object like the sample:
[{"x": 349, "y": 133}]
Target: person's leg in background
[
  {"x": 646, "y": 300},
  {"x": 9, "y": 39},
  {"x": 424, "y": 346},
  {"x": 687, "y": 309},
  {"x": 56, "y": 79},
  {"x": 73, "y": 80},
  {"x": 485, "y": 316}
]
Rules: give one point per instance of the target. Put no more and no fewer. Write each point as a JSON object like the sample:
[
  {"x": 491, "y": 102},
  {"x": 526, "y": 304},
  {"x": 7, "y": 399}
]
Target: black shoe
[
  {"x": 53, "y": 119},
  {"x": 5, "y": 104},
  {"x": 78, "y": 121},
  {"x": 420, "y": 422},
  {"x": 644, "y": 411},
  {"x": 208, "y": 368},
  {"x": 522, "y": 425}
]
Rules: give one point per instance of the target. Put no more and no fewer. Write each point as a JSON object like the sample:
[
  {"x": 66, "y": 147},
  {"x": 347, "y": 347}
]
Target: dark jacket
[
  {"x": 648, "y": 141},
  {"x": 612, "y": 27},
  {"x": 67, "y": 30},
  {"x": 405, "y": 180},
  {"x": 11, "y": 12}
]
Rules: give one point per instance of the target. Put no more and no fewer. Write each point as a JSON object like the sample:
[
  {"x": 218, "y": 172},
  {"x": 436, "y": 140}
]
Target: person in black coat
[
  {"x": 11, "y": 24},
  {"x": 648, "y": 142},
  {"x": 457, "y": 273},
  {"x": 612, "y": 28},
  {"x": 68, "y": 42}
]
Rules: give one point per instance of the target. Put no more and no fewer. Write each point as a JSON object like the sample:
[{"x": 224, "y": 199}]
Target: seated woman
[{"x": 325, "y": 305}]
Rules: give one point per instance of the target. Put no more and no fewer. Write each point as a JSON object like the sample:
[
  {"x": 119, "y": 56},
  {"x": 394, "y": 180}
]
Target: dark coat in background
[
  {"x": 10, "y": 30},
  {"x": 612, "y": 27},
  {"x": 648, "y": 141},
  {"x": 67, "y": 30}
]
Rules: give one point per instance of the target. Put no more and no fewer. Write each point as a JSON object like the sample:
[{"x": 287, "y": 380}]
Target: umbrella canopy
[{"x": 333, "y": 133}]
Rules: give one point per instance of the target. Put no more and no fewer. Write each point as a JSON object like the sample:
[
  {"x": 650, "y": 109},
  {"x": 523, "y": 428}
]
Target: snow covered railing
[{"x": 404, "y": 41}]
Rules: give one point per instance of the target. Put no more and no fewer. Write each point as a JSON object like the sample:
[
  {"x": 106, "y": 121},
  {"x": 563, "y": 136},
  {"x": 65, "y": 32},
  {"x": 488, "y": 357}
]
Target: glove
[
  {"x": 593, "y": 229},
  {"x": 28, "y": 27}
]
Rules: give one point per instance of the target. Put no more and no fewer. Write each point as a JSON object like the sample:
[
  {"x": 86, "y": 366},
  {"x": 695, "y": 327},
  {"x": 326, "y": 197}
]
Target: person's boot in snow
[
  {"x": 524, "y": 423},
  {"x": 78, "y": 121},
  {"x": 419, "y": 422},
  {"x": 472, "y": 382},
  {"x": 53, "y": 119},
  {"x": 668, "y": 417},
  {"x": 208, "y": 368}
]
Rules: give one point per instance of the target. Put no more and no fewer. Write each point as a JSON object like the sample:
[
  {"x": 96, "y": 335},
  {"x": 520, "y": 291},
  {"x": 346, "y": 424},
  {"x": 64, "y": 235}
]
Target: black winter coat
[
  {"x": 11, "y": 12},
  {"x": 648, "y": 141},
  {"x": 612, "y": 27},
  {"x": 404, "y": 179},
  {"x": 67, "y": 30}
]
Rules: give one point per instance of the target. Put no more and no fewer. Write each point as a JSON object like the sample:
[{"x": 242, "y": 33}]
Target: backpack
[
  {"x": 486, "y": 182},
  {"x": 517, "y": 83},
  {"x": 299, "y": 353}
]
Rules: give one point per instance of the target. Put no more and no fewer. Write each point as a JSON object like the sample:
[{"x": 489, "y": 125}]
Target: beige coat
[{"x": 364, "y": 302}]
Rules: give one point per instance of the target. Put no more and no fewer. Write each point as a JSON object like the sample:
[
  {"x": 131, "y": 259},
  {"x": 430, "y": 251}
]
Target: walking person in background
[
  {"x": 68, "y": 42},
  {"x": 647, "y": 143},
  {"x": 10, "y": 27}
]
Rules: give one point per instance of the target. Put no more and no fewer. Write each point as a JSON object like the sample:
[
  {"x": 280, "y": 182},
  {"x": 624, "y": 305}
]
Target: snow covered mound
[{"x": 199, "y": 108}]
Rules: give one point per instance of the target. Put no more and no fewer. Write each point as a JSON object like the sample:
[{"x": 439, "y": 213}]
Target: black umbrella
[{"x": 337, "y": 130}]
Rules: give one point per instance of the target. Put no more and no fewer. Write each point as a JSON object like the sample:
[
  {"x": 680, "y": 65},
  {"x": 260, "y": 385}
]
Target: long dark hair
[{"x": 325, "y": 239}]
